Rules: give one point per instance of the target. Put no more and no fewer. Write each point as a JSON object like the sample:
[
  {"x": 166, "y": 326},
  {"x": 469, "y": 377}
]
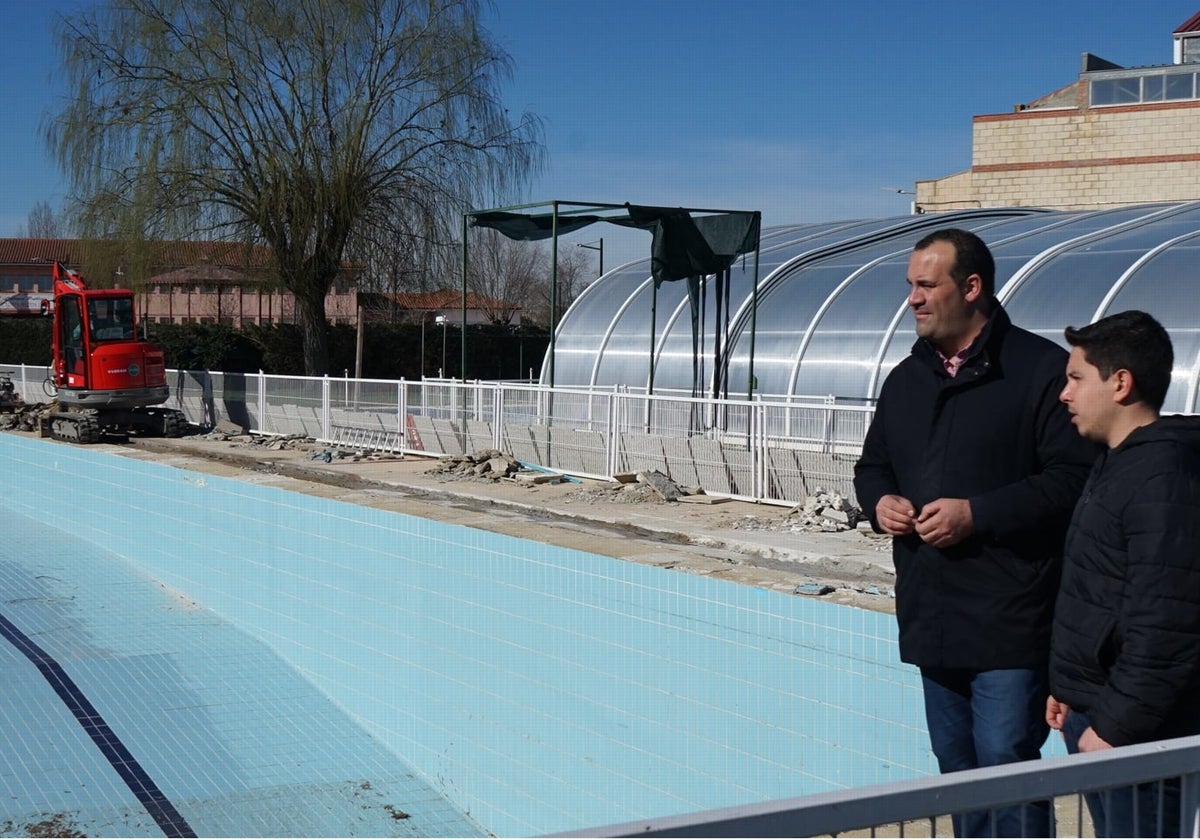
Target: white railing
[
  {"x": 766, "y": 450},
  {"x": 922, "y": 807}
]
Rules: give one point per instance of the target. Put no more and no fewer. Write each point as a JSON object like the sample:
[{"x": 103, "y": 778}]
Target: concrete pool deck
[{"x": 752, "y": 544}]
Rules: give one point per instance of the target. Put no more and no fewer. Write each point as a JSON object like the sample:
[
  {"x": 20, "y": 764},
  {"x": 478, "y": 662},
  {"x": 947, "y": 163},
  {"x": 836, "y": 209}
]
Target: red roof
[
  {"x": 167, "y": 254},
  {"x": 1192, "y": 24},
  {"x": 34, "y": 251},
  {"x": 442, "y": 299},
  {"x": 205, "y": 274}
]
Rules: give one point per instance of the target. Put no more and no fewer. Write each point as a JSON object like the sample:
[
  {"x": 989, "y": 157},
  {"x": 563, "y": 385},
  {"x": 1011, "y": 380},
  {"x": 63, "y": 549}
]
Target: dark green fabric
[
  {"x": 686, "y": 247},
  {"x": 530, "y": 228},
  {"x": 683, "y": 246}
]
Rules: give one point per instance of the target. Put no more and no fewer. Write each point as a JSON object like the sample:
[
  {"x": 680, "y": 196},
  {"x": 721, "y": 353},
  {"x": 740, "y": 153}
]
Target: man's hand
[
  {"x": 1089, "y": 741},
  {"x": 1056, "y": 713},
  {"x": 895, "y": 515},
  {"x": 945, "y": 522}
]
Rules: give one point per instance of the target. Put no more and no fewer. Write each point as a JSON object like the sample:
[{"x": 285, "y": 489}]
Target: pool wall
[{"x": 539, "y": 689}]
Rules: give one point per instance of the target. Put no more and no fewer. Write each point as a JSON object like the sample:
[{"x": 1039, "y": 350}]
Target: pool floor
[
  {"x": 188, "y": 654},
  {"x": 236, "y": 739}
]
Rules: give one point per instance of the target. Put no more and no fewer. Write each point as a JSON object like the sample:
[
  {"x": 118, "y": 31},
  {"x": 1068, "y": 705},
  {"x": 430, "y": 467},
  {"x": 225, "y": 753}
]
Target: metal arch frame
[
  {"x": 1126, "y": 278},
  {"x": 1021, "y": 275},
  {"x": 737, "y": 318}
]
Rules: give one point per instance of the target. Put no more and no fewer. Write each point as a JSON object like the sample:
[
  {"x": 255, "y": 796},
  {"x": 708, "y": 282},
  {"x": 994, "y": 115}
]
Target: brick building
[
  {"x": 199, "y": 282},
  {"x": 1116, "y": 135},
  {"x": 219, "y": 282}
]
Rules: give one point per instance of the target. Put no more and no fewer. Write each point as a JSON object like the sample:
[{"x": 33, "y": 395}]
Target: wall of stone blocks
[{"x": 1073, "y": 159}]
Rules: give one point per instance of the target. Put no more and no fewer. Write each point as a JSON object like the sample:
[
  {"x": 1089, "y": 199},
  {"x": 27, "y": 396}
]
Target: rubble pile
[
  {"x": 825, "y": 511},
  {"x": 483, "y": 465},
  {"x": 822, "y": 511},
  {"x": 647, "y": 486},
  {"x": 24, "y": 418}
]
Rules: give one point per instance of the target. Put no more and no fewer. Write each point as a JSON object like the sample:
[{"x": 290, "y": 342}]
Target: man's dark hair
[
  {"x": 971, "y": 256},
  {"x": 1131, "y": 341}
]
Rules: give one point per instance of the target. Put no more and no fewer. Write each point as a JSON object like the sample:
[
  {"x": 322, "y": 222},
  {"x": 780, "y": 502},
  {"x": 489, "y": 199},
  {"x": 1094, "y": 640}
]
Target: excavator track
[
  {"x": 86, "y": 427},
  {"x": 73, "y": 427},
  {"x": 170, "y": 423}
]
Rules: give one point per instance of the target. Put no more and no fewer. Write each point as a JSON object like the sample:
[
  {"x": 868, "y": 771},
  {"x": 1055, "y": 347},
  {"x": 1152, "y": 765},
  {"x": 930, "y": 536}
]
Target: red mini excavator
[{"x": 108, "y": 380}]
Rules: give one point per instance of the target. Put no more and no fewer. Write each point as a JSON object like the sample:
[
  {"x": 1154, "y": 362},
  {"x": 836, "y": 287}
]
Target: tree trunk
[{"x": 314, "y": 334}]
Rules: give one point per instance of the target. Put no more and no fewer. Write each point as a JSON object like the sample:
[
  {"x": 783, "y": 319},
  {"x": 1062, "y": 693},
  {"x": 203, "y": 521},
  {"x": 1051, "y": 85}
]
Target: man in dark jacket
[
  {"x": 972, "y": 466},
  {"x": 1125, "y": 653}
]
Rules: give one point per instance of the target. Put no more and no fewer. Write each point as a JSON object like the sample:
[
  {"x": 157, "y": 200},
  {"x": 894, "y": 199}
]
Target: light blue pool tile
[{"x": 537, "y": 689}]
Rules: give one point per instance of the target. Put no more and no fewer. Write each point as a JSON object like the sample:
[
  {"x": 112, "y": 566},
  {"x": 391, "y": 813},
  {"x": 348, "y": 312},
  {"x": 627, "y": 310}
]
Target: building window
[
  {"x": 1157, "y": 86},
  {"x": 1116, "y": 91},
  {"x": 33, "y": 283},
  {"x": 1191, "y": 50}
]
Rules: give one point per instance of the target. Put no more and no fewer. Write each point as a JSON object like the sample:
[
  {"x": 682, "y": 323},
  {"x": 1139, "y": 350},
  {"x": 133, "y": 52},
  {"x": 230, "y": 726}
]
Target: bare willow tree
[{"x": 300, "y": 124}]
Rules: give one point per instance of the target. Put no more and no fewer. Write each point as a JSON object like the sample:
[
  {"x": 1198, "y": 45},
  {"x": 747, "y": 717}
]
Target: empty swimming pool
[{"x": 191, "y": 654}]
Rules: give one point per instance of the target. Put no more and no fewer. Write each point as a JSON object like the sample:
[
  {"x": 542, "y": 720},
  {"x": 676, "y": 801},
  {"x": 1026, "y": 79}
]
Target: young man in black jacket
[
  {"x": 972, "y": 466},
  {"x": 1125, "y": 651}
]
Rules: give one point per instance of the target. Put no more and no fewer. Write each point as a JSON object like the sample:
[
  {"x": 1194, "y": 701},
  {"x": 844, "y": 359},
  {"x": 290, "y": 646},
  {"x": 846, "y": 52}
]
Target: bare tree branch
[{"x": 312, "y": 126}]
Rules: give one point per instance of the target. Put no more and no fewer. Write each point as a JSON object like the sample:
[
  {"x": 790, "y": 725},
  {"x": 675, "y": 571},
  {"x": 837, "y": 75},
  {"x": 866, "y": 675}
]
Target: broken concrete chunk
[
  {"x": 662, "y": 485},
  {"x": 701, "y": 499},
  {"x": 826, "y": 511},
  {"x": 814, "y": 589},
  {"x": 500, "y": 466}
]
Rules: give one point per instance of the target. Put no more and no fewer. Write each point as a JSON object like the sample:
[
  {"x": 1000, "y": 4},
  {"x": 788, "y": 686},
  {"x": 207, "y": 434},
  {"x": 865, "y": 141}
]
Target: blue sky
[{"x": 807, "y": 111}]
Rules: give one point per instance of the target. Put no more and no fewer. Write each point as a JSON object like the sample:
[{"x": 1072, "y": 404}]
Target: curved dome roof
[{"x": 831, "y": 317}]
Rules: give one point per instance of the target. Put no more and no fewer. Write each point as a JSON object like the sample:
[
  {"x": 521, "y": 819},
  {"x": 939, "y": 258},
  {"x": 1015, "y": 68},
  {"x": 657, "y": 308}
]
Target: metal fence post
[
  {"x": 498, "y": 417},
  {"x": 610, "y": 456},
  {"x": 262, "y": 402},
  {"x": 326, "y": 409},
  {"x": 757, "y": 418},
  {"x": 1189, "y": 804},
  {"x": 402, "y": 413}
]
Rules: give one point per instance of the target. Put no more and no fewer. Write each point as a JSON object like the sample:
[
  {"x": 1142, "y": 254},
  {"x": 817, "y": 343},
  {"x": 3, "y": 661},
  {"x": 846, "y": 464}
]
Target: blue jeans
[
  {"x": 985, "y": 718},
  {"x": 1146, "y": 810}
]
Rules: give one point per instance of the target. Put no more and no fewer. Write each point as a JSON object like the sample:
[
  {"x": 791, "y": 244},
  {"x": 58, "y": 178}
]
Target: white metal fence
[{"x": 774, "y": 451}]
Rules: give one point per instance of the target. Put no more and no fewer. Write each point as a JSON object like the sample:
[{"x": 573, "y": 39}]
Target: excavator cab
[
  {"x": 108, "y": 380},
  {"x": 111, "y": 319}
]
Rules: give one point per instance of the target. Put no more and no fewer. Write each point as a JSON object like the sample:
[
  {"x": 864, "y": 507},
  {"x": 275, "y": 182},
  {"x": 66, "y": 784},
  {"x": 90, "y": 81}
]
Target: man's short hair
[
  {"x": 1131, "y": 341},
  {"x": 971, "y": 256}
]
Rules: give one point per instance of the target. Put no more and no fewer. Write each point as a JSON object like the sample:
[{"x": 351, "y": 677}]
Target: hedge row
[{"x": 390, "y": 351}]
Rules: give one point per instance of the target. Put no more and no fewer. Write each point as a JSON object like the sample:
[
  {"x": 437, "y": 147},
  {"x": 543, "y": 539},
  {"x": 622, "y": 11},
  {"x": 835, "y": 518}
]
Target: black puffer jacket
[
  {"x": 1126, "y": 644},
  {"x": 996, "y": 435}
]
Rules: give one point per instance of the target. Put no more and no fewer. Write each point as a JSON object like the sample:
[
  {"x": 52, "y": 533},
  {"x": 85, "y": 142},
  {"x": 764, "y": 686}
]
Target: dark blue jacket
[
  {"x": 996, "y": 435},
  {"x": 1126, "y": 645}
]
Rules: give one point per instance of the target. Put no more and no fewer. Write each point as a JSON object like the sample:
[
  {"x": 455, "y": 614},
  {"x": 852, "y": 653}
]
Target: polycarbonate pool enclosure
[{"x": 832, "y": 318}]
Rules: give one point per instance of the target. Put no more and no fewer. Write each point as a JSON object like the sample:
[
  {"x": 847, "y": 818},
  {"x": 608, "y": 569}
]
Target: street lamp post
[
  {"x": 913, "y": 209},
  {"x": 593, "y": 246},
  {"x": 441, "y": 319}
]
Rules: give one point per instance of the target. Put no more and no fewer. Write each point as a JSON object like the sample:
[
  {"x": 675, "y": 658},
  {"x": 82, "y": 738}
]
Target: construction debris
[
  {"x": 701, "y": 499},
  {"x": 826, "y": 511},
  {"x": 489, "y": 465},
  {"x": 661, "y": 485},
  {"x": 817, "y": 589},
  {"x": 26, "y": 417}
]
